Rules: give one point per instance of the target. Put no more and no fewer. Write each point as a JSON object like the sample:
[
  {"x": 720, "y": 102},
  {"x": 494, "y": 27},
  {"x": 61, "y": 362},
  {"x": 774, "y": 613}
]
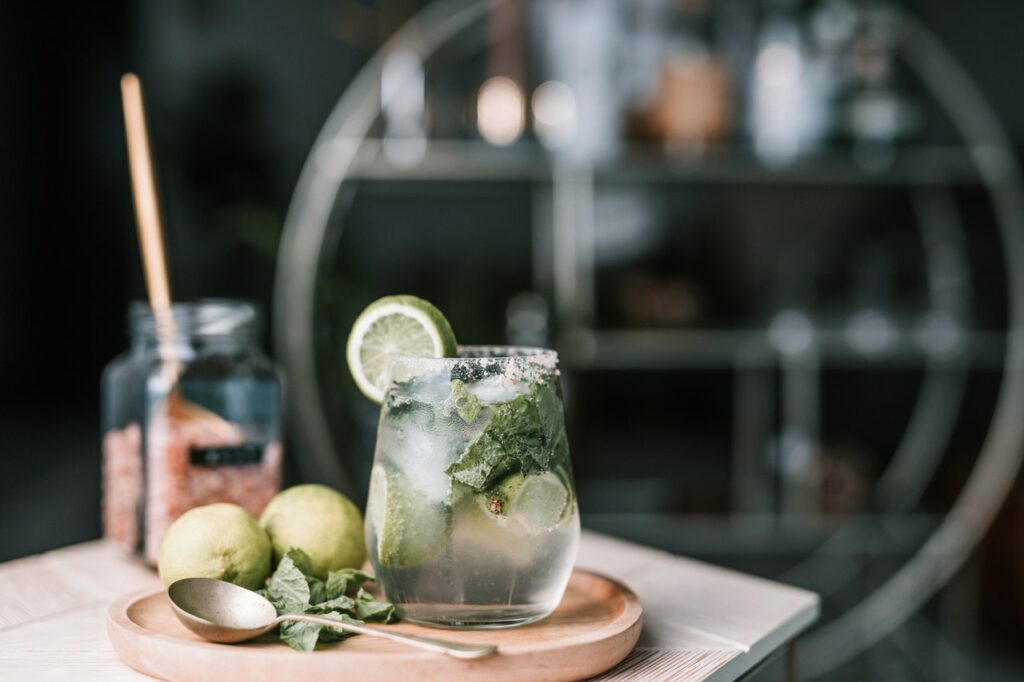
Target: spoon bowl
[
  {"x": 224, "y": 612},
  {"x": 221, "y": 611}
]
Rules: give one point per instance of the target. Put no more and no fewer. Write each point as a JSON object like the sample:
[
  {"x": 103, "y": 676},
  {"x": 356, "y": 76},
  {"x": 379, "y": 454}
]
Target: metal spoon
[{"x": 223, "y": 612}]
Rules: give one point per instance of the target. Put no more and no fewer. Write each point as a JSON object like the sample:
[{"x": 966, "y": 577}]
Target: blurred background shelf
[
  {"x": 753, "y": 348},
  {"x": 476, "y": 161}
]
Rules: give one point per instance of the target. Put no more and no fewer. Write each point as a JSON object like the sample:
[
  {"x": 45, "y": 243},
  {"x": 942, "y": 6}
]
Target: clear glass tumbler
[{"x": 472, "y": 518}]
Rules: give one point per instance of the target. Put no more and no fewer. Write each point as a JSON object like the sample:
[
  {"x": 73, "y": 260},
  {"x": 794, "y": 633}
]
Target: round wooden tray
[{"x": 596, "y": 626}]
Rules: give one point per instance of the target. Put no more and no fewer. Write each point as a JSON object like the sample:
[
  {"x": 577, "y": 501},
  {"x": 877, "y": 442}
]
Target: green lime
[
  {"x": 395, "y": 325},
  {"x": 216, "y": 541},
  {"x": 321, "y": 522},
  {"x": 410, "y": 528}
]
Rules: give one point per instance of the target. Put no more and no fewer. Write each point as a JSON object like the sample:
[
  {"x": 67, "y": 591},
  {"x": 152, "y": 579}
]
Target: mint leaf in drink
[
  {"x": 483, "y": 462},
  {"x": 341, "y": 581},
  {"x": 549, "y": 409},
  {"x": 465, "y": 404},
  {"x": 398, "y": 400},
  {"x": 289, "y": 588},
  {"x": 523, "y": 435},
  {"x": 520, "y": 429}
]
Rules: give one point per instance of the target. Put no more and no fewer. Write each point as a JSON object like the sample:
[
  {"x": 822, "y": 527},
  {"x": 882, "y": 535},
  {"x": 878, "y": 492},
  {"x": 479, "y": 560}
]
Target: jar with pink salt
[{"x": 191, "y": 415}]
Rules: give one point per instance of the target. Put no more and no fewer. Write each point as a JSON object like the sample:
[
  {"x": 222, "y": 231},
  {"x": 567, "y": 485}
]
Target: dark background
[{"x": 237, "y": 93}]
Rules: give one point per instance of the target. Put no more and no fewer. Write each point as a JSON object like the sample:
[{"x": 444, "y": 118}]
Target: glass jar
[{"x": 191, "y": 415}]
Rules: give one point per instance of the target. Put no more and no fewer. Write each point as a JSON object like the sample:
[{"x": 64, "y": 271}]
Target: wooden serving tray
[{"x": 596, "y": 626}]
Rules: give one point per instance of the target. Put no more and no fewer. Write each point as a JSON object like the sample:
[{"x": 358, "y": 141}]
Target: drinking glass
[{"x": 472, "y": 518}]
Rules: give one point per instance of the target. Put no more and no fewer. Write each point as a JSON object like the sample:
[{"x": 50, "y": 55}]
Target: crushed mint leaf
[
  {"x": 521, "y": 436},
  {"x": 483, "y": 462},
  {"x": 549, "y": 407},
  {"x": 466, "y": 405}
]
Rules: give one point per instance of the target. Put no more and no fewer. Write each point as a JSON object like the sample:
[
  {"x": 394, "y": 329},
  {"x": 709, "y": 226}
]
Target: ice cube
[
  {"x": 423, "y": 454},
  {"x": 430, "y": 387},
  {"x": 540, "y": 504},
  {"x": 498, "y": 389}
]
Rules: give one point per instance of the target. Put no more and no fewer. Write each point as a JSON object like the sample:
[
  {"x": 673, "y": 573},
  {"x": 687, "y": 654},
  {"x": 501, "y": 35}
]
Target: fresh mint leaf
[
  {"x": 317, "y": 590},
  {"x": 300, "y": 635},
  {"x": 334, "y": 634},
  {"x": 300, "y": 559},
  {"x": 521, "y": 436},
  {"x": 368, "y": 608},
  {"x": 342, "y": 603},
  {"x": 341, "y": 581},
  {"x": 288, "y": 588},
  {"x": 293, "y": 590}
]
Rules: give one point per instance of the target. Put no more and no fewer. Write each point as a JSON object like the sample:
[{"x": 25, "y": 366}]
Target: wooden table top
[{"x": 700, "y": 622}]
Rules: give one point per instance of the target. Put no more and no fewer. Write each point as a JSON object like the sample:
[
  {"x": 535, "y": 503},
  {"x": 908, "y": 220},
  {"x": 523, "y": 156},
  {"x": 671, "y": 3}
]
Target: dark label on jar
[{"x": 226, "y": 455}]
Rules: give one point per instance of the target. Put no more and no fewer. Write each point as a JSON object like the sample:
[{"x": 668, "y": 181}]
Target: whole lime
[
  {"x": 216, "y": 541},
  {"x": 321, "y": 522}
]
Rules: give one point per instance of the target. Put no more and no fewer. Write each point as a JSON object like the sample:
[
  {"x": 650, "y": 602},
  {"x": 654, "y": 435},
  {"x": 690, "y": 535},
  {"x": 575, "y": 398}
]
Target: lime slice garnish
[
  {"x": 410, "y": 528},
  {"x": 394, "y": 325}
]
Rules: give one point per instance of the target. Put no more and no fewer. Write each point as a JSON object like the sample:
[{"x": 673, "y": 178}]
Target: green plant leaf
[
  {"x": 288, "y": 588},
  {"x": 341, "y": 581},
  {"x": 300, "y": 635},
  {"x": 368, "y": 608}
]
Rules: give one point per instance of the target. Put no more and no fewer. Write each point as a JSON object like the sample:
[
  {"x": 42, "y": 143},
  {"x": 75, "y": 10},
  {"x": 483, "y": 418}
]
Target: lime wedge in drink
[
  {"x": 410, "y": 528},
  {"x": 394, "y": 325},
  {"x": 535, "y": 503}
]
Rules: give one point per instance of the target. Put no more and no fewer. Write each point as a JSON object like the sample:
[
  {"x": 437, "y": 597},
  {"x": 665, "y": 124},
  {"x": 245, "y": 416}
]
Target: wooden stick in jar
[{"x": 147, "y": 206}]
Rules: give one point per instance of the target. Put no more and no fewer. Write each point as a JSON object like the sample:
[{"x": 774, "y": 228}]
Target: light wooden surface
[
  {"x": 594, "y": 628},
  {"x": 700, "y": 622}
]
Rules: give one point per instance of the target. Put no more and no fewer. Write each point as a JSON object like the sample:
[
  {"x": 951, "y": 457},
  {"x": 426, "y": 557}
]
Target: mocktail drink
[{"x": 472, "y": 518}]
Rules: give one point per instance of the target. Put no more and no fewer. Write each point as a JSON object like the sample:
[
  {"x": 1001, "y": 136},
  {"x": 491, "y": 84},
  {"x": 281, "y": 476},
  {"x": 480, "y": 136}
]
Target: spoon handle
[{"x": 456, "y": 649}]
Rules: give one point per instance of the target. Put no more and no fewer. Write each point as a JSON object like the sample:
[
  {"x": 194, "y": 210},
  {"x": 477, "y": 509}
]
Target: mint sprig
[{"x": 292, "y": 589}]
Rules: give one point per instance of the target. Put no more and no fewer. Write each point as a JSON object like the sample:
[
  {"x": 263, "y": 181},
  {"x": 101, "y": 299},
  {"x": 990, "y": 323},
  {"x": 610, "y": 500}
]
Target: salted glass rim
[
  {"x": 522, "y": 362},
  {"x": 486, "y": 353}
]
